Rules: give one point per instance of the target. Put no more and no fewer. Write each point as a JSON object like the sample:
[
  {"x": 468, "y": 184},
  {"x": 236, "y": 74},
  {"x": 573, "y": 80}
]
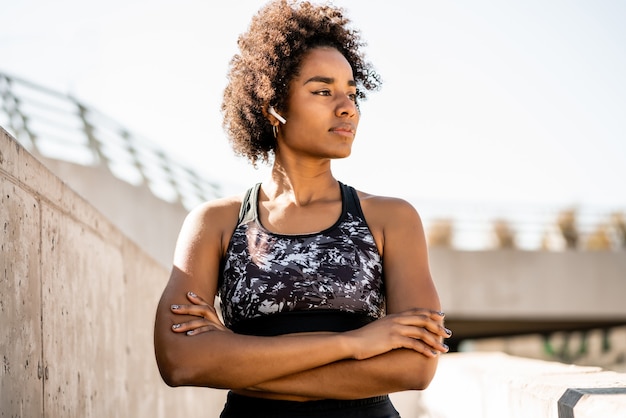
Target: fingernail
[
  {"x": 190, "y": 332},
  {"x": 175, "y": 326},
  {"x": 448, "y": 331},
  {"x": 193, "y": 295},
  {"x": 436, "y": 353},
  {"x": 445, "y": 347},
  {"x": 174, "y": 307}
]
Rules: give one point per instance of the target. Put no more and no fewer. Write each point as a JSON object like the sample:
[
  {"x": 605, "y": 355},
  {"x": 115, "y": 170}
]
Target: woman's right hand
[
  {"x": 207, "y": 318},
  {"x": 417, "y": 329}
]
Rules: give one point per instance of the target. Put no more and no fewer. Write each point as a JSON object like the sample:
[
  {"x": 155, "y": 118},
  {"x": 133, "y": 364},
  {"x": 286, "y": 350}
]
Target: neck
[{"x": 300, "y": 183}]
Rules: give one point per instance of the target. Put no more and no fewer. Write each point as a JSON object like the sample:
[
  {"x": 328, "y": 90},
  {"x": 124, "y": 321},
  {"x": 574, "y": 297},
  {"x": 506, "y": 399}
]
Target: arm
[
  {"x": 356, "y": 379},
  {"x": 347, "y": 379},
  {"x": 220, "y": 358},
  {"x": 408, "y": 285}
]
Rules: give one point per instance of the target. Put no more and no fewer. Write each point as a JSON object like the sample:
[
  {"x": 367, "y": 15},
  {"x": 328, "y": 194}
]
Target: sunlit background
[{"x": 489, "y": 110}]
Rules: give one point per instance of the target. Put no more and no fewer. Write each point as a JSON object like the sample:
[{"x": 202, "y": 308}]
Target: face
[{"x": 321, "y": 113}]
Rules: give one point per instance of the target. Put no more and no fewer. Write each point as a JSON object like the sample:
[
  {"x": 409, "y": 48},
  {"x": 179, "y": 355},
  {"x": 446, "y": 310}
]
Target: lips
[{"x": 344, "y": 129}]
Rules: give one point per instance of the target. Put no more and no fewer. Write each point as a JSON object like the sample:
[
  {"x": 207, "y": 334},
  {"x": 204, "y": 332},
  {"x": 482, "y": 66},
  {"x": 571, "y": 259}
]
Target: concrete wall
[
  {"x": 77, "y": 303},
  {"x": 151, "y": 222}
]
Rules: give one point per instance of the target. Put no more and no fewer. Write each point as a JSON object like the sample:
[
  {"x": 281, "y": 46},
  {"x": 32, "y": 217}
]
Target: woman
[{"x": 327, "y": 299}]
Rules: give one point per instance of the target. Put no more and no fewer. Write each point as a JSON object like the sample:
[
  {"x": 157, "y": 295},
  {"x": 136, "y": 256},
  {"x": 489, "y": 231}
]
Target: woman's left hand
[{"x": 208, "y": 318}]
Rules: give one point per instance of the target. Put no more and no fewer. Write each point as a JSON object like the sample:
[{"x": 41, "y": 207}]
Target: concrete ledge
[{"x": 496, "y": 385}]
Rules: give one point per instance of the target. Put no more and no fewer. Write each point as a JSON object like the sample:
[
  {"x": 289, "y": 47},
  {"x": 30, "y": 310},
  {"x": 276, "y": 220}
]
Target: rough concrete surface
[
  {"x": 77, "y": 304},
  {"x": 20, "y": 301}
]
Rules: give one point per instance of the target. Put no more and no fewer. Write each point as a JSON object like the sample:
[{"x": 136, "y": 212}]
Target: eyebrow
[{"x": 326, "y": 80}]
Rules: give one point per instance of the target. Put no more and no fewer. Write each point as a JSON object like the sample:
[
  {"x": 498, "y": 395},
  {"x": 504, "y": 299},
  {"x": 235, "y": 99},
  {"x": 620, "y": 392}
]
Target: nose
[{"x": 346, "y": 107}]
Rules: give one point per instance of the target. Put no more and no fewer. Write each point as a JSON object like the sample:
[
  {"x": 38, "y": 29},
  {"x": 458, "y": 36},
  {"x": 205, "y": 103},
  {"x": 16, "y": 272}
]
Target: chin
[
  {"x": 340, "y": 154},
  {"x": 343, "y": 153}
]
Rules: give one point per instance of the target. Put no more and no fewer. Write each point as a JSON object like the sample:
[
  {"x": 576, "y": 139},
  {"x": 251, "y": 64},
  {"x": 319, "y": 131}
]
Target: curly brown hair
[{"x": 280, "y": 34}]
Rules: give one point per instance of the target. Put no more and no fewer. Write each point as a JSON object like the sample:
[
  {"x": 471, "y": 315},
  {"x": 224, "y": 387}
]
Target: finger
[
  {"x": 432, "y": 314},
  {"x": 206, "y": 325},
  {"x": 437, "y": 332},
  {"x": 189, "y": 325},
  {"x": 196, "y": 299},
  {"x": 416, "y": 328},
  {"x": 433, "y": 341},
  {"x": 436, "y": 345},
  {"x": 211, "y": 327},
  {"x": 204, "y": 311},
  {"x": 182, "y": 309},
  {"x": 201, "y": 330},
  {"x": 426, "y": 319},
  {"x": 422, "y": 347},
  {"x": 423, "y": 320},
  {"x": 438, "y": 329}
]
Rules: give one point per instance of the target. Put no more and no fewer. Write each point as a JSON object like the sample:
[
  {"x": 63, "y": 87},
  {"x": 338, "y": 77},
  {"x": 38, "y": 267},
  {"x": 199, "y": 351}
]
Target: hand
[
  {"x": 209, "y": 320},
  {"x": 417, "y": 329}
]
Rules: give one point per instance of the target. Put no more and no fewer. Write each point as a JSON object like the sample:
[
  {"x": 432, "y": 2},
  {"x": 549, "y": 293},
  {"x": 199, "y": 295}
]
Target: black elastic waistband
[
  {"x": 301, "y": 321},
  {"x": 249, "y": 403}
]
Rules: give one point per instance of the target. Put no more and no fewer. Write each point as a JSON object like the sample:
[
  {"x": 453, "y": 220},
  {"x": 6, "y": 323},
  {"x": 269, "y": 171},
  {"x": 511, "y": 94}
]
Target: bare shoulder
[
  {"x": 216, "y": 212},
  {"x": 393, "y": 221},
  {"x": 386, "y": 210},
  {"x": 208, "y": 228}
]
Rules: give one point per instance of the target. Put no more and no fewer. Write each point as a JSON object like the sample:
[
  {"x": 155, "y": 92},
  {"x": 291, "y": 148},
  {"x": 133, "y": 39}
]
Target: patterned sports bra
[{"x": 273, "y": 284}]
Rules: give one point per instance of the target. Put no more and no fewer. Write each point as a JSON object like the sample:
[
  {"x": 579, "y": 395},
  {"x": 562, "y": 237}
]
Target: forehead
[{"x": 325, "y": 61}]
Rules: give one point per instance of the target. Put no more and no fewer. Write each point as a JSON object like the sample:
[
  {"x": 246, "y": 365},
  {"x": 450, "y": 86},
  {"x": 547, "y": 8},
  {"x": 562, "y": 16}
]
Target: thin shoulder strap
[
  {"x": 248, "y": 205},
  {"x": 351, "y": 200}
]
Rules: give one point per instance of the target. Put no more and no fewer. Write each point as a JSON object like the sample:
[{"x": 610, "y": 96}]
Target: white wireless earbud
[{"x": 274, "y": 113}]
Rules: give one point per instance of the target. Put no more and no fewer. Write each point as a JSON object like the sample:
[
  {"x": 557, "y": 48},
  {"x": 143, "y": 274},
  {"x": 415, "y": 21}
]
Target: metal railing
[{"x": 58, "y": 126}]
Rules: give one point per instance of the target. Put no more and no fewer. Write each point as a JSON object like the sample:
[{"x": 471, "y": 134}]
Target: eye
[
  {"x": 322, "y": 92},
  {"x": 353, "y": 97}
]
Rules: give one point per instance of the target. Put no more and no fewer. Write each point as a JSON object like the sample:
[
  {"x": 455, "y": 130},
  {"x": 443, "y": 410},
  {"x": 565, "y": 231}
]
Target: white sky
[{"x": 514, "y": 103}]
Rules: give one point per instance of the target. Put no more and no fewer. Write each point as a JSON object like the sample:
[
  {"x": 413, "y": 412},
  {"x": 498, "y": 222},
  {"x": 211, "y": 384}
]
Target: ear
[
  {"x": 266, "y": 113},
  {"x": 272, "y": 115}
]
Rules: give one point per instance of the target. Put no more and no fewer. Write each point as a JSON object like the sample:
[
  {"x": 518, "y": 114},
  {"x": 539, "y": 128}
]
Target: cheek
[
  {"x": 304, "y": 120},
  {"x": 298, "y": 128}
]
